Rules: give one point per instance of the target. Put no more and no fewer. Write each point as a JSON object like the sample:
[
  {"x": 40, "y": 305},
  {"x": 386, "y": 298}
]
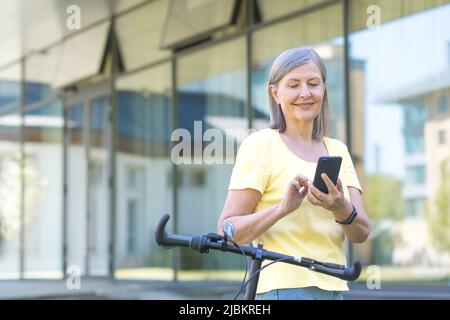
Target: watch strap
[{"x": 351, "y": 218}]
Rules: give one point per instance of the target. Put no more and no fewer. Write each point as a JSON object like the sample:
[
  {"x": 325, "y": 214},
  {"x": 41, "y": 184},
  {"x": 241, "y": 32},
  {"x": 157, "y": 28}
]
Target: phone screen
[{"x": 329, "y": 165}]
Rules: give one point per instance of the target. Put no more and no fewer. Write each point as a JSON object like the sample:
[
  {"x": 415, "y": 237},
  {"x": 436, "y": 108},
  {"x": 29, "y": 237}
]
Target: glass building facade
[{"x": 91, "y": 116}]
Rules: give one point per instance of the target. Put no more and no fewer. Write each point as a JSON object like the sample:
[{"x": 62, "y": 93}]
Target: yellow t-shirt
[{"x": 265, "y": 163}]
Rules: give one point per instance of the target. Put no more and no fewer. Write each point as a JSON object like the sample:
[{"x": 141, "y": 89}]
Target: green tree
[
  {"x": 383, "y": 197},
  {"x": 438, "y": 216},
  {"x": 384, "y": 203}
]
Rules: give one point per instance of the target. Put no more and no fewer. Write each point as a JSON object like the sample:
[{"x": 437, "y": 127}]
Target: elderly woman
[{"x": 271, "y": 199}]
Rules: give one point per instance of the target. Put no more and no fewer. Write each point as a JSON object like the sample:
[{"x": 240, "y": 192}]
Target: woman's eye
[
  {"x": 313, "y": 84},
  {"x": 293, "y": 86}
]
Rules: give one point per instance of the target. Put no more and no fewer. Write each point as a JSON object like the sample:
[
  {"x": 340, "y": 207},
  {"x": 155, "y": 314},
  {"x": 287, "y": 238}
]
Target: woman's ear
[{"x": 274, "y": 92}]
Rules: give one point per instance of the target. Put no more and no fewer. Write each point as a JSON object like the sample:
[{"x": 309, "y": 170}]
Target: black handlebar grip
[
  {"x": 347, "y": 274},
  {"x": 160, "y": 233},
  {"x": 166, "y": 240},
  {"x": 353, "y": 273}
]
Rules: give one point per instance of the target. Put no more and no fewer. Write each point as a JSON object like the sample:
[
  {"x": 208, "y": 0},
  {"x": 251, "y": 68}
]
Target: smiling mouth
[{"x": 304, "y": 105}]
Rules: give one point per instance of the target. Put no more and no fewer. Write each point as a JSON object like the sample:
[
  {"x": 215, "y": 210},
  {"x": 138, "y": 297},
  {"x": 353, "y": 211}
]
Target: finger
[
  {"x": 302, "y": 179},
  {"x": 318, "y": 194},
  {"x": 295, "y": 184},
  {"x": 313, "y": 199},
  {"x": 304, "y": 183},
  {"x": 339, "y": 185},
  {"x": 303, "y": 192},
  {"x": 330, "y": 185}
]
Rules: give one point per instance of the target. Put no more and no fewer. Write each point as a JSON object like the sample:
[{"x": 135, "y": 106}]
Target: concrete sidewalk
[
  {"x": 98, "y": 288},
  {"x": 94, "y": 289}
]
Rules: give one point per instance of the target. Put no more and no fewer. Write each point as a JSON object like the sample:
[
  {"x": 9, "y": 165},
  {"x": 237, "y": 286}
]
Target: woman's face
[{"x": 300, "y": 93}]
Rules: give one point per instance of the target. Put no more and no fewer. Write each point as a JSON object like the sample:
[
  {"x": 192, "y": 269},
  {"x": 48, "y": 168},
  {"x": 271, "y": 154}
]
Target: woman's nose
[{"x": 304, "y": 92}]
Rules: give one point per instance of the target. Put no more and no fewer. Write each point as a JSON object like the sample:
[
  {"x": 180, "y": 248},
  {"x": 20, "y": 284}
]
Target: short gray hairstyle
[{"x": 283, "y": 64}]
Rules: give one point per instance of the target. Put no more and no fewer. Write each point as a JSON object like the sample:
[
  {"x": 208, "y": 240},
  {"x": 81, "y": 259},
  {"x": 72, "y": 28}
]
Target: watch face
[{"x": 228, "y": 228}]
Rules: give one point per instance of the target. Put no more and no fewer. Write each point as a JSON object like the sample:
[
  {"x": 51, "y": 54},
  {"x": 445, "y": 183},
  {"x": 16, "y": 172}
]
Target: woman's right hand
[{"x": 294, "y": 194}]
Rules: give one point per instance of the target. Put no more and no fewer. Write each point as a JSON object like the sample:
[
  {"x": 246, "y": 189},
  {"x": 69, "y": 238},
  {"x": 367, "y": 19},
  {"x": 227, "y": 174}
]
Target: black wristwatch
[{"x": 350, "y": 219}]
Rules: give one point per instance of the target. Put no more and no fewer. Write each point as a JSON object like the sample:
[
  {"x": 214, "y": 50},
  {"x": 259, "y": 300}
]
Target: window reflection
[
  {"x": 99, "y": 216},
  {"x": 272, "y": 9},
  {"x": 139, "y": 34},
  {"x": 188, "y": 21},
  {"x": 10, "y": 88},
  {"x": 34, "y": 25},
  {"x": 212, "y": 109},
  {"x": 143, "y": 173},
  {"x": 49, "y": 70},
  {"x": 406, "y": 182},
  {"x": 43, "y": 180},
  {"x": 10, "y": 188},
  {"x": 76, "y": 182}
]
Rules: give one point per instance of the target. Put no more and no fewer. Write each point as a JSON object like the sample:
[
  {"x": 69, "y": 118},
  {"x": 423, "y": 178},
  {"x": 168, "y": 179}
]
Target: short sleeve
[
  {"x": 252, "y": 165},
  {"x": 348, "y": 170}
]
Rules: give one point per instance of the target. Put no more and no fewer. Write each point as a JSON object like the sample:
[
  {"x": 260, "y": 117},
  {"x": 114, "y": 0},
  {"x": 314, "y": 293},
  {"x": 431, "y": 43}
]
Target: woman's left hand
[{"x": 334, "y": 200}]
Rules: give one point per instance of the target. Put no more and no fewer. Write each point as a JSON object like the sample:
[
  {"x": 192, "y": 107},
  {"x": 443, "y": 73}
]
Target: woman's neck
[{"x": 300, "y": 131}]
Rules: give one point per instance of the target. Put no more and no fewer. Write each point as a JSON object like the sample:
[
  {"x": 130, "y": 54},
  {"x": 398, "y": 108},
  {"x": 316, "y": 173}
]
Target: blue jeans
[{"x": 308, "y": 293}]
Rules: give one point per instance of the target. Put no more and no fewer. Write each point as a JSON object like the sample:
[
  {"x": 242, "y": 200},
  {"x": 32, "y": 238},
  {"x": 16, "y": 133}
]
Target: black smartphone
[{"x": 329, "y": 165}]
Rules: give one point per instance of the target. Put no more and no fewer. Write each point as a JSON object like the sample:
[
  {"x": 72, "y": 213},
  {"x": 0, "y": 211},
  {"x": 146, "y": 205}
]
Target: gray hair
[{"x": 283, "y": 64}]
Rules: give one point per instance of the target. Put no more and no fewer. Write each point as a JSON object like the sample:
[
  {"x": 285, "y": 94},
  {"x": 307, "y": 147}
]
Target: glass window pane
[
  {"x": 97, "y": 197},
  {"x": 212, "y": 118},
  {"x": 88, "y": 214},
  {"x": 144, "y": 168},
  {"x": 326, "y": 39},
  {"x": 77, "y": 58},
  {"x": 122, "y": 5},
  {"x": 443, "y": 104},
  {"x": 406, "y": 190},
  {"x": 139, "y": 34},
  {"x": 81, "y": 56},
  {"x": 41, "y": 69},
  {"x": 43, "y": 191},
  {"x": 11, "y": 45},
  {"x": 33, "y": 25},
  {"x": 77, "y": 187},
  {"x": 10, "y": 88},
  {"x": 188, "y": 19},
  {"x": 10, "y": 188},
  {"x": 270, "y": 9},
  {"x": 365, "y": 13}
]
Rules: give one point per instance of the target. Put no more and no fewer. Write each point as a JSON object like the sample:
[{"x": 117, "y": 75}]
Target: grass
[
  {"x": 408, "y": 275},
  {"x": 388, "y": 274},
  {"x": 187, "y": 275}
]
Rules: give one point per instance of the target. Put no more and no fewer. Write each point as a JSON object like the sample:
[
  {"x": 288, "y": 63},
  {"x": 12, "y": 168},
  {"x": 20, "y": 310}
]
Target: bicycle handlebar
[{"x": 216, "y": 242}]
